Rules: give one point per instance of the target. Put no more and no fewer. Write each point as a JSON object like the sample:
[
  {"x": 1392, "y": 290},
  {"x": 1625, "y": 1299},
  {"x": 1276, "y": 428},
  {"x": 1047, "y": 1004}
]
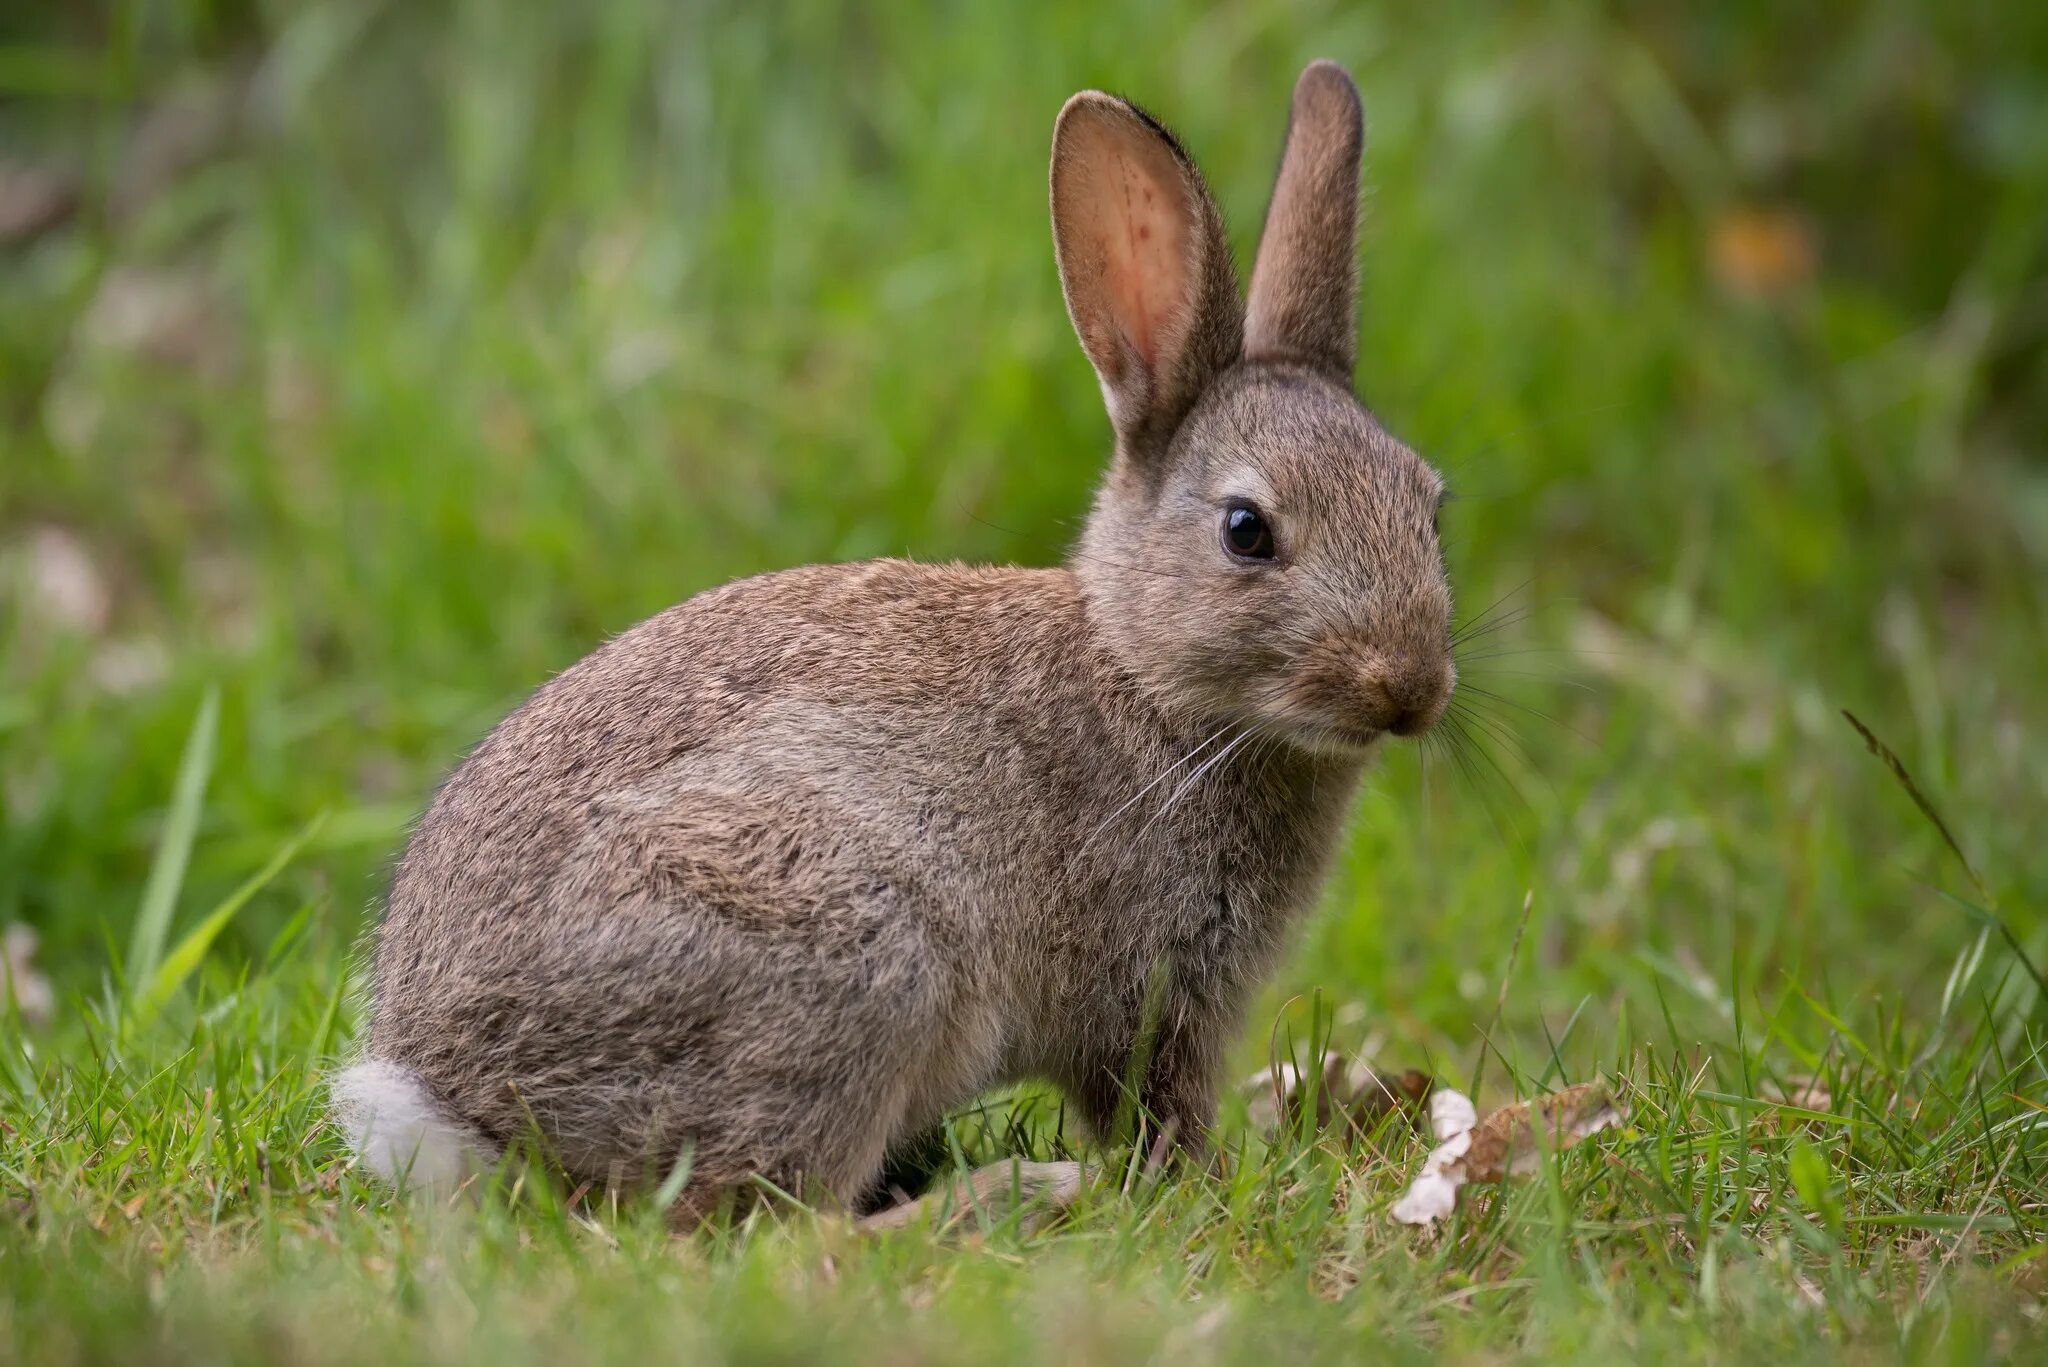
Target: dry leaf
[
  {"x": 1359, "y": 1093},
  {"x": 1434, "y": 1192},
  {"x": 30, "y": 990},
  {"x": 1507, "y": 1143}
]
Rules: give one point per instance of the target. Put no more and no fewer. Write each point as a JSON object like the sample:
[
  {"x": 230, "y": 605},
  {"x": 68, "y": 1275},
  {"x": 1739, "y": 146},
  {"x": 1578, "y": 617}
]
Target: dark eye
[{"x": 1245, "y": 533}]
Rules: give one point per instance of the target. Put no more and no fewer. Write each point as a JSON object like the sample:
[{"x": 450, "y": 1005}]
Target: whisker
[
  {"x": 1162, "y": 776},
  {"x": 1493, "y": 729},
  {"x": 1461, "y": 632},
  {"x": 1557, "y": 679},
  {"x": 1479, "y": 712},
  {"x": 1506, "y": 778},
  {"x": 1482, "y": 626},
  {"x": 1481, "y": 630},
  {"x": 1192, "y": 779},
  {"x": 1474, "y": 690},
  {"x": 1422, "y": 764},
  {"x": 1457, "y": 745},
  {"x": 1530, "y": 650}
]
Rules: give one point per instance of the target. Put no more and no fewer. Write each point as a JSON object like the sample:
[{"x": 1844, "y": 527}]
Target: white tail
[{"x": 400, "y": 1133}]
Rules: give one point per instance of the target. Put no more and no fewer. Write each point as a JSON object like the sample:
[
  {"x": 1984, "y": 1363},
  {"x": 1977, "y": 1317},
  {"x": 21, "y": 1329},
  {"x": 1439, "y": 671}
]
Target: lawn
[{"x": 362, "y": 364}]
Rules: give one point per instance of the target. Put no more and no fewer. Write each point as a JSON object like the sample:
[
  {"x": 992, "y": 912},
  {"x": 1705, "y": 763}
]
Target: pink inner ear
[
  {"x": 1131, "y": 209},
  {"x": 1147, "y": 258}
]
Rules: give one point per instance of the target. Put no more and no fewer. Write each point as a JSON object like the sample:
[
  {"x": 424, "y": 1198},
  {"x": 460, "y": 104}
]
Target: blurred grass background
[
  {"x": 374, "y": 361},
  {"x": 371, "y": 361}
]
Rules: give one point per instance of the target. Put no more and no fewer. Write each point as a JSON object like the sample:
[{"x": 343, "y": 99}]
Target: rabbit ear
[
  {"x": 1305, "y": 282},
  {"x": 1144, "y": 264}
]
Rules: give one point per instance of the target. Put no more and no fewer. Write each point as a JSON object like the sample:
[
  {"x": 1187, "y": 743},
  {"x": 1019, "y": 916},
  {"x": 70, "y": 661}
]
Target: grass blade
[
  {"x": 1891, "y": 761},
  {"x": 1988, "y": 913},
  {"x": 186, "y": 955},
  {"x": 671, "y": 1188},
  {"x": 173, "y": 847},
  {"x": 1991, "y": 920}
]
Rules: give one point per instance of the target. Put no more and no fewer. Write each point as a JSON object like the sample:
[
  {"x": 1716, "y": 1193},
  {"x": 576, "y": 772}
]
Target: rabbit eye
[{"x": 1245, "y": 533}]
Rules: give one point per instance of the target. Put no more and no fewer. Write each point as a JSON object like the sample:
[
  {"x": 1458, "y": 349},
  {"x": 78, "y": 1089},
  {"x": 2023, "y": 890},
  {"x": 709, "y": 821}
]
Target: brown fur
[{"x": 782, "y": 874}]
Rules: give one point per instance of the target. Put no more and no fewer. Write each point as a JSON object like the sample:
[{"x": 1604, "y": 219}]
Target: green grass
[{"x": 477, "y": 336}]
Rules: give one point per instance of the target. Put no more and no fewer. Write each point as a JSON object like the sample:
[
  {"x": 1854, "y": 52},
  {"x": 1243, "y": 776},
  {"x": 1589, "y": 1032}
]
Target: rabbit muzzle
[
  {"x": 1348, "y": 695},
  {"x": 1405, "y": 693}
]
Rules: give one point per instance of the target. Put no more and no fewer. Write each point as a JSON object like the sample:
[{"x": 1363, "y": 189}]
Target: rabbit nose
[
  {"x": 1407, "y": 695},
  {"x": 1412, "y": 721}
]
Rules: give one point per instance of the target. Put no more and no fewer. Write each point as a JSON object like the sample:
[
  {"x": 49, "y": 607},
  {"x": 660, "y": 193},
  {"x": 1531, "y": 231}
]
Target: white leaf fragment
[
  {"x": 1434, "y": 1192},
  {"x": 1451, "y": 1114},
  {"x": 1507, "y": 1143}
]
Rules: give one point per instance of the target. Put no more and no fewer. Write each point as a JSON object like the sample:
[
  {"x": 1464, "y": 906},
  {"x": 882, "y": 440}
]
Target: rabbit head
[{"x": 1261, "y": 550}]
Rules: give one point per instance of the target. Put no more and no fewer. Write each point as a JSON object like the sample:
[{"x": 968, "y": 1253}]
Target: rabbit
[{"x": 772, "y": 881}]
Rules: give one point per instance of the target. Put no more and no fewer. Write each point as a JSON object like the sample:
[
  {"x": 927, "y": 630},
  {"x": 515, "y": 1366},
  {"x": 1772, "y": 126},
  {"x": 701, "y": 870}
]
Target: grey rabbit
[{"x": 781, "y": 875}]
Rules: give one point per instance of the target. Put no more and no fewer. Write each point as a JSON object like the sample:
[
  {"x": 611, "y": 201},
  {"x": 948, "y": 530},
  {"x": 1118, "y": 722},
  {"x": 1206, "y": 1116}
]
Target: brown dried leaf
[
  {"x": 1510, "y": 1142},
  {"x": 1355, "y": 1091}
]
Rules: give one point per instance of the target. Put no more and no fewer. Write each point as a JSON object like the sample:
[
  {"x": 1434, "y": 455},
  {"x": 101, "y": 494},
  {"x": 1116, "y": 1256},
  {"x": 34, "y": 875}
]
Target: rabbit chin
[{"x": 1327, "y": 739}]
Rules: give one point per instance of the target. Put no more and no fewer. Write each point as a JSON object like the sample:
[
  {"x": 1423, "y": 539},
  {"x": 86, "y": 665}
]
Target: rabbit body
[
  {"x": 789, "y": 870},
  {"x": 779, "y": 876}
]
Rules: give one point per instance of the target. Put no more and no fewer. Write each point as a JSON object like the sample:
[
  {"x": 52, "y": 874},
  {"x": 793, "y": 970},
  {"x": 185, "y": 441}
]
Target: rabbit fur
[{"x": 779, "y": 876}]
